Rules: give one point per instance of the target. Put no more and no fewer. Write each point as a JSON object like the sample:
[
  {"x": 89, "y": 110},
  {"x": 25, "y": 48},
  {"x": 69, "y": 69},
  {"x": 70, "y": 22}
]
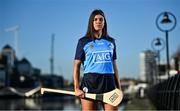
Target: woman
[{"x": 97, "y": 52}]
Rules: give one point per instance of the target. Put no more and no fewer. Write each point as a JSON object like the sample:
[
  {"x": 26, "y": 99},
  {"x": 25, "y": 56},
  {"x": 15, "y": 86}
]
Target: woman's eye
[{"x": 100, "y": 19}]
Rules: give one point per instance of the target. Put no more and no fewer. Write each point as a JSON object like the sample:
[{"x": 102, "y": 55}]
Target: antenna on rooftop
[
  {"x": 52, "y": 54},
  {"x": 15, "y": 30}
]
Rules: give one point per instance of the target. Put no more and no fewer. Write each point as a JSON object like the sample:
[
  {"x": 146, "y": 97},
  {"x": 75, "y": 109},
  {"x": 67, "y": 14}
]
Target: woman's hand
[
  {"x": 76, "y": 74},
  {"x": 79, "y": 93}
]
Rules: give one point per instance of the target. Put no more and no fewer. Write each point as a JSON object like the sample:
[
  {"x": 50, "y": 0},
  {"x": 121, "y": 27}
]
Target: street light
[
  {"x": 158, "y": 44},
  {"x": 166, "y": 22}
]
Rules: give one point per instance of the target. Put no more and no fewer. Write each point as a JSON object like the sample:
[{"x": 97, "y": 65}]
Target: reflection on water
[{"x": 49, "y": 103}]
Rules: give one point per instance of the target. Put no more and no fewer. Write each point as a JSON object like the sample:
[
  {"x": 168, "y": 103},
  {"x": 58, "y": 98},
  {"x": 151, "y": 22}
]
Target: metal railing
[{"x": 166, "y": 95}]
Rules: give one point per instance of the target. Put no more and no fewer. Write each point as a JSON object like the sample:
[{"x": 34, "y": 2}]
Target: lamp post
[
  {"x": 166, "y": 22},
  {"x": 158, "y": 44}
]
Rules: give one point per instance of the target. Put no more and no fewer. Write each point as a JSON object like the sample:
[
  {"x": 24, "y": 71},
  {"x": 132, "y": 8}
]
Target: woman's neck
[{"x": 98, "y": 34}]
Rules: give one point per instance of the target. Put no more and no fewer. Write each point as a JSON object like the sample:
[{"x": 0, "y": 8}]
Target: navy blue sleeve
[
  {"x": 80, "y": 55},
  {"x": 114, "y": 51}
]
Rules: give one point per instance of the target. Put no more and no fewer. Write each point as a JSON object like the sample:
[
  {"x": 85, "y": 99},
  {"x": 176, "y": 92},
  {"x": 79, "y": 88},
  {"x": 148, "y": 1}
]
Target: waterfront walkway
[{"x": 11, "y": 91}]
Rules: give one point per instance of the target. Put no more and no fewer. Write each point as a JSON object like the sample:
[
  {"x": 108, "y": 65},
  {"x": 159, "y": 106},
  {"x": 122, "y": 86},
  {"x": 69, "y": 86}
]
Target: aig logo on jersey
[{"x": 102, "y": 56}]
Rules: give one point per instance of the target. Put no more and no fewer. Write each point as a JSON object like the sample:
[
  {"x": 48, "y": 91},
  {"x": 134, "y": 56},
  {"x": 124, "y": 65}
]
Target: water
[{"x": 50, "y": 103}]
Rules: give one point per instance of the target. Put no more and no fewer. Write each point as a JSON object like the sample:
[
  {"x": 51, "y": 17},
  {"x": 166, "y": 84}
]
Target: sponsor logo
[
  {"x": 110, "y": 46},
  {"x": 113, "y": 97},
  {"x": 102, "y": 56},
  {"x": 100, "y": 43}
]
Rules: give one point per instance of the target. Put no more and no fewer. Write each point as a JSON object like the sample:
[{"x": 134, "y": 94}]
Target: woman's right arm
[{"x": 76, "y": 76}]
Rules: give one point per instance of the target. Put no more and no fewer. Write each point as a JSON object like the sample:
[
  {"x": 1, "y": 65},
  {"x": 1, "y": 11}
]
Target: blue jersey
[{"x": 96, "y": 55}]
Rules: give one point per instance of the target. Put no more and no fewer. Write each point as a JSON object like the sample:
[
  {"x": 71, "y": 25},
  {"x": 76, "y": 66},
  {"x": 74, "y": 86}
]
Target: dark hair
[{"x": 91, "y": 30}]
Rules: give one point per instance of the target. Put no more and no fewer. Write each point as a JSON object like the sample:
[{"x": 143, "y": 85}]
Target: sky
[{"x": 130, "y": 22}]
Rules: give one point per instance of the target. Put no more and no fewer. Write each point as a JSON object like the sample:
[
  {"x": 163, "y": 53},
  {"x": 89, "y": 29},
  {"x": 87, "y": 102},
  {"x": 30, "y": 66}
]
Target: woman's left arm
[{"x": 117, "y": 79}]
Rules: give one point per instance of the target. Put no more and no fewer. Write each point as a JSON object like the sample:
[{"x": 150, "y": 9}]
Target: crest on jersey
[{"x": 91, "y": 46}]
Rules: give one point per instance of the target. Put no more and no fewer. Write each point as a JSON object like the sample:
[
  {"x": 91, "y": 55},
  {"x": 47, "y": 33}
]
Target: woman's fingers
[{"x": 79, "y": 93}]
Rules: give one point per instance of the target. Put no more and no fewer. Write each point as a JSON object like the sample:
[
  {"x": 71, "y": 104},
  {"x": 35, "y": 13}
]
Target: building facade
[{"x": 148, "y": 66}]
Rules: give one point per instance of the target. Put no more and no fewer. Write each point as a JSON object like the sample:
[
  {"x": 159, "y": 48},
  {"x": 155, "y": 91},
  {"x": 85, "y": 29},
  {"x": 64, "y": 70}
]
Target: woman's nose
[{"x": 98, "y": 21}]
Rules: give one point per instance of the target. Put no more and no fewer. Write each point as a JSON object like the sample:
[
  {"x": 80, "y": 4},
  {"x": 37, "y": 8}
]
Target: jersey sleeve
[
  {"x": 114, "y": 51},
  {"x": 79, "y": 55}
]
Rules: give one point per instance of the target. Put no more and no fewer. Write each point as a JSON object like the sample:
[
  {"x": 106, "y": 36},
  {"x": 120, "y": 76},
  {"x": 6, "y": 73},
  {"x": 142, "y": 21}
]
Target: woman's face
[{"x": 98, "y": 22}]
